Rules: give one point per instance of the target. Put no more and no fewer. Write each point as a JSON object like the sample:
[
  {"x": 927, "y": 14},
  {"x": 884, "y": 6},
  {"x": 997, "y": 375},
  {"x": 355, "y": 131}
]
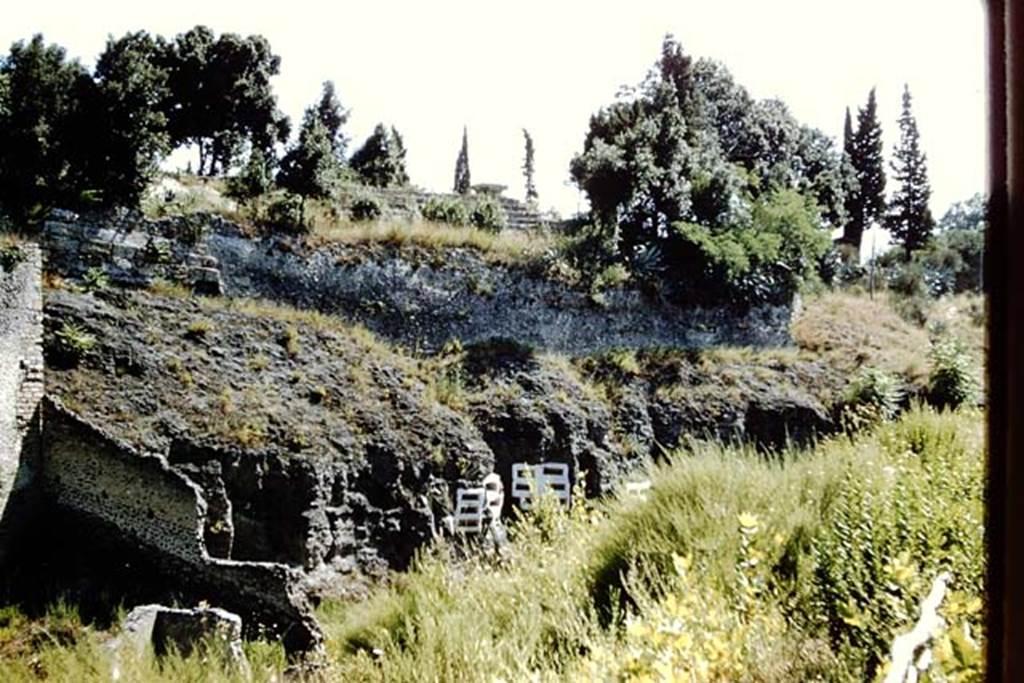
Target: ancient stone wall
[
  {"x": 21, "y": 388},
  {"x": 421, "y": 301},
  {"x": 115, "y": 490}
]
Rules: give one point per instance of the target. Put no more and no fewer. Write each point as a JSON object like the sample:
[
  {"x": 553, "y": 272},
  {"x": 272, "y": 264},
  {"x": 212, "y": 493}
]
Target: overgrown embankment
[{"x": 732, "y": 567}]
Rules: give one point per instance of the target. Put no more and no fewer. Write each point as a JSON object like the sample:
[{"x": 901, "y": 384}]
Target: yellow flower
[
  {"x": 681, "y": 564},
  {"x": 748, "y": 522}
]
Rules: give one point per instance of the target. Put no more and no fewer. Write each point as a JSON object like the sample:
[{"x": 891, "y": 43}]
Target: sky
[{"x": 430, "y": 68}]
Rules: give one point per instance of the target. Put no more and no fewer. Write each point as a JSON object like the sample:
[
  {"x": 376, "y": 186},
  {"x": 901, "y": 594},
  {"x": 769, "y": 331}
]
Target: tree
[
  {"x": 126, "y": 137},
  {"x": 39, "y": 97},
  {"x": 310, "y": 169},
  {"x": 531, "y": 188},
  {"x": 462, "y": 166},
  {"x": 380, "y": 161},
  {"x": 868, "y": 202},
  {"x": 399, "y": 152},
  {"x": 707, "y": 187},
  {"x": 221, "y": 97},
  {"x": 970, "y": 214},
  {"x": 908, "y": 217},
  {"x": 333, "y": 116}
]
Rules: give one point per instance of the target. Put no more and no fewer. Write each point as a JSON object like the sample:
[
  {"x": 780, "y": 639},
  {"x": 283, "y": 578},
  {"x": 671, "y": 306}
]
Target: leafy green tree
[
  {"x": 221, "y": 95},
  {"x": 908, "y": 218},
  {"x": 675, "y": 179},
  {"x": 39, "y": 99},
  {"x": 379, "y": 162},
  {"x": 531, "y": 187},
  {"x": 127, "y": 136},
  {"x": 970, "y": 214},
  {"x": 310, "y": 169},
  {"x": 462, "y": 180},
  {"x": 868, "y": 202}
]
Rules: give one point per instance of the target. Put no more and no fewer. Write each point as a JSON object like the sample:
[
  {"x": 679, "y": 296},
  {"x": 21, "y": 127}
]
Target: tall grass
[{"x": 803, "y": 566}]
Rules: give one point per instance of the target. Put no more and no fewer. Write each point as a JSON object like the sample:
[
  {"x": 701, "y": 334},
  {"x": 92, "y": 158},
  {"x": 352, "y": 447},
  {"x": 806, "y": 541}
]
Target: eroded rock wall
[
  {"x": 113, "y": 490},
  {"x": 21, "y": 388},
  {"x": 416, "y": 299}
]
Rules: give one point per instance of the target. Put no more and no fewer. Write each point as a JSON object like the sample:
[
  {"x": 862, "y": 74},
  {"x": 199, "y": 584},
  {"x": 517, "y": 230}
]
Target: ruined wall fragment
[{"x": 21, "y": 389}]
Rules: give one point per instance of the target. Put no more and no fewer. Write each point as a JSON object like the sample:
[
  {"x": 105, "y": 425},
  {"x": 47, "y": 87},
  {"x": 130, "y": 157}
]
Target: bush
[
  {"x": 486, "y": 213},
  {"x": 73, "y": 343},
  {"x": 365, "y": 209},
  {"x": 286, "y": 215},
  {"x": 874, "y": 395},
  {"x": 952, "y": 382},
  {"x": 764, "y": 260},
  {"x": 10, "y": 256},
  {"x": 446, "y": 210},
  {"x": 190, "y": 229},
  {"x": 907, "y": 511},
  {"x": 95, "y": 279},
  {"x": 255, "y": 179}
]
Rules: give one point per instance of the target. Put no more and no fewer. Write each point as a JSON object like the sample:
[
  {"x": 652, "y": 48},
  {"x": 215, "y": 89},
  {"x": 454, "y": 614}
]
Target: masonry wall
[
  {"x": 21, "y": 389},
  {"x": 417, "y": 299},
  {"x": 113, "y": 490}
]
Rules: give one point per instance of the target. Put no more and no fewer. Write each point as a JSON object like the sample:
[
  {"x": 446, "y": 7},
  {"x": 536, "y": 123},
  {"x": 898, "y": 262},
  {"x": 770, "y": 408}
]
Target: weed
[
  {"x": 199, "y": 329},
  {"x": 74, "y": 342},
  {"x": 290, "y": 341}
]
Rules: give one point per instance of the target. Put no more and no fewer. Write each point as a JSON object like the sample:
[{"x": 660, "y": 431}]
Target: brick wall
[{"x": 21, "y": 389}]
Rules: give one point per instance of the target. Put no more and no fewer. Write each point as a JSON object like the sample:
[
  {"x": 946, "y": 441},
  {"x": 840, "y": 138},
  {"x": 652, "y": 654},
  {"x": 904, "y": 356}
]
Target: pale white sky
[{"x": 430, "y": 67}]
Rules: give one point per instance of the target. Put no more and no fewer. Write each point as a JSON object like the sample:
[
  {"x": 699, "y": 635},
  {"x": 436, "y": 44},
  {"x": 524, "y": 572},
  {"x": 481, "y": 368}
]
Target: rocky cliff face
[
  {"x": 416, "y": 297},
  {"x": 303, "y": 454}
]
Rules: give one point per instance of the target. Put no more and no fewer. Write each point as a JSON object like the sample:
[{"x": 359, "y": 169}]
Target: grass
[
  {"x": 732, "y": 567},
  {"x": 852, "y": 331},
  {"x": 506, "y": 246},
  {"x": 765, "y": 543}
]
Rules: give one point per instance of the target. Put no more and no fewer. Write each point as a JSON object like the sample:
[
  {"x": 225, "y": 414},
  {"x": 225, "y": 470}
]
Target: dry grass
[
  {"x": 852, "y": 331},
  {"x": 506, "y": 246}
]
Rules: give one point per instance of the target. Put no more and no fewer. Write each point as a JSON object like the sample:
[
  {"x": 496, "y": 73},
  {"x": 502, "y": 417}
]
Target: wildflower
[{"x": 748, "y": 522}]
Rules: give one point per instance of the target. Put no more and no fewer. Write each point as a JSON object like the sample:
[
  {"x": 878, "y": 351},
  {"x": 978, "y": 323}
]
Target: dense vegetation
[{"x": 732, "y": 567}]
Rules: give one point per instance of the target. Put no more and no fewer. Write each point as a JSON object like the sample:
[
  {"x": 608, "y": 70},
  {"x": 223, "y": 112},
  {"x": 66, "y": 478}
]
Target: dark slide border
[{"x": 1005, "y": 254}]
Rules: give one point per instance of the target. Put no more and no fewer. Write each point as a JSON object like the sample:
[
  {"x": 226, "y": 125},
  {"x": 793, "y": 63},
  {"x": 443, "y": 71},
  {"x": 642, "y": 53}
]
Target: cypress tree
[
  {"x": 381, "y": 159},
  {"x": 908, "y": 217},
  {"x": 462, "y": 166},
  {"x": 531, "y": 188},
  {"x": 868, "y": 202},
  {"x": 401, "y": 177},
  {"x": 333, "y": 116}
]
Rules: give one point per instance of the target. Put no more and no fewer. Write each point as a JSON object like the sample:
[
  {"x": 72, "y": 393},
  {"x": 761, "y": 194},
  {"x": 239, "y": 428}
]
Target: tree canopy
[
  {"x": 381, "y": 160},
  {"x": 681, "y": 167},
  {"x": 40, "y": 115},
  {"x": 221, "y": 96}
]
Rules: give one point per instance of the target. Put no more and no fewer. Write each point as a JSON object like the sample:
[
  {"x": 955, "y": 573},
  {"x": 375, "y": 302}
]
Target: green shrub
[
  {"x": 190, "y": 229},
  {"x": 11, "y": 255},
  {"x": 897, "y": 518},
  {"x": 156, "y": 252},
  {"x": 285, "y": 214},
  {"x": 952, "y": 381},
  {"x": 95, "y": 278},
  {"x": 486, "y": 213},
  {"x": 763, "y": 258},
  {"x": 73, "y": 342},
  {"x": 446, "y": 210},
  {"x": 873, "y": 395},
  {"x": 366, "y": 209}
]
